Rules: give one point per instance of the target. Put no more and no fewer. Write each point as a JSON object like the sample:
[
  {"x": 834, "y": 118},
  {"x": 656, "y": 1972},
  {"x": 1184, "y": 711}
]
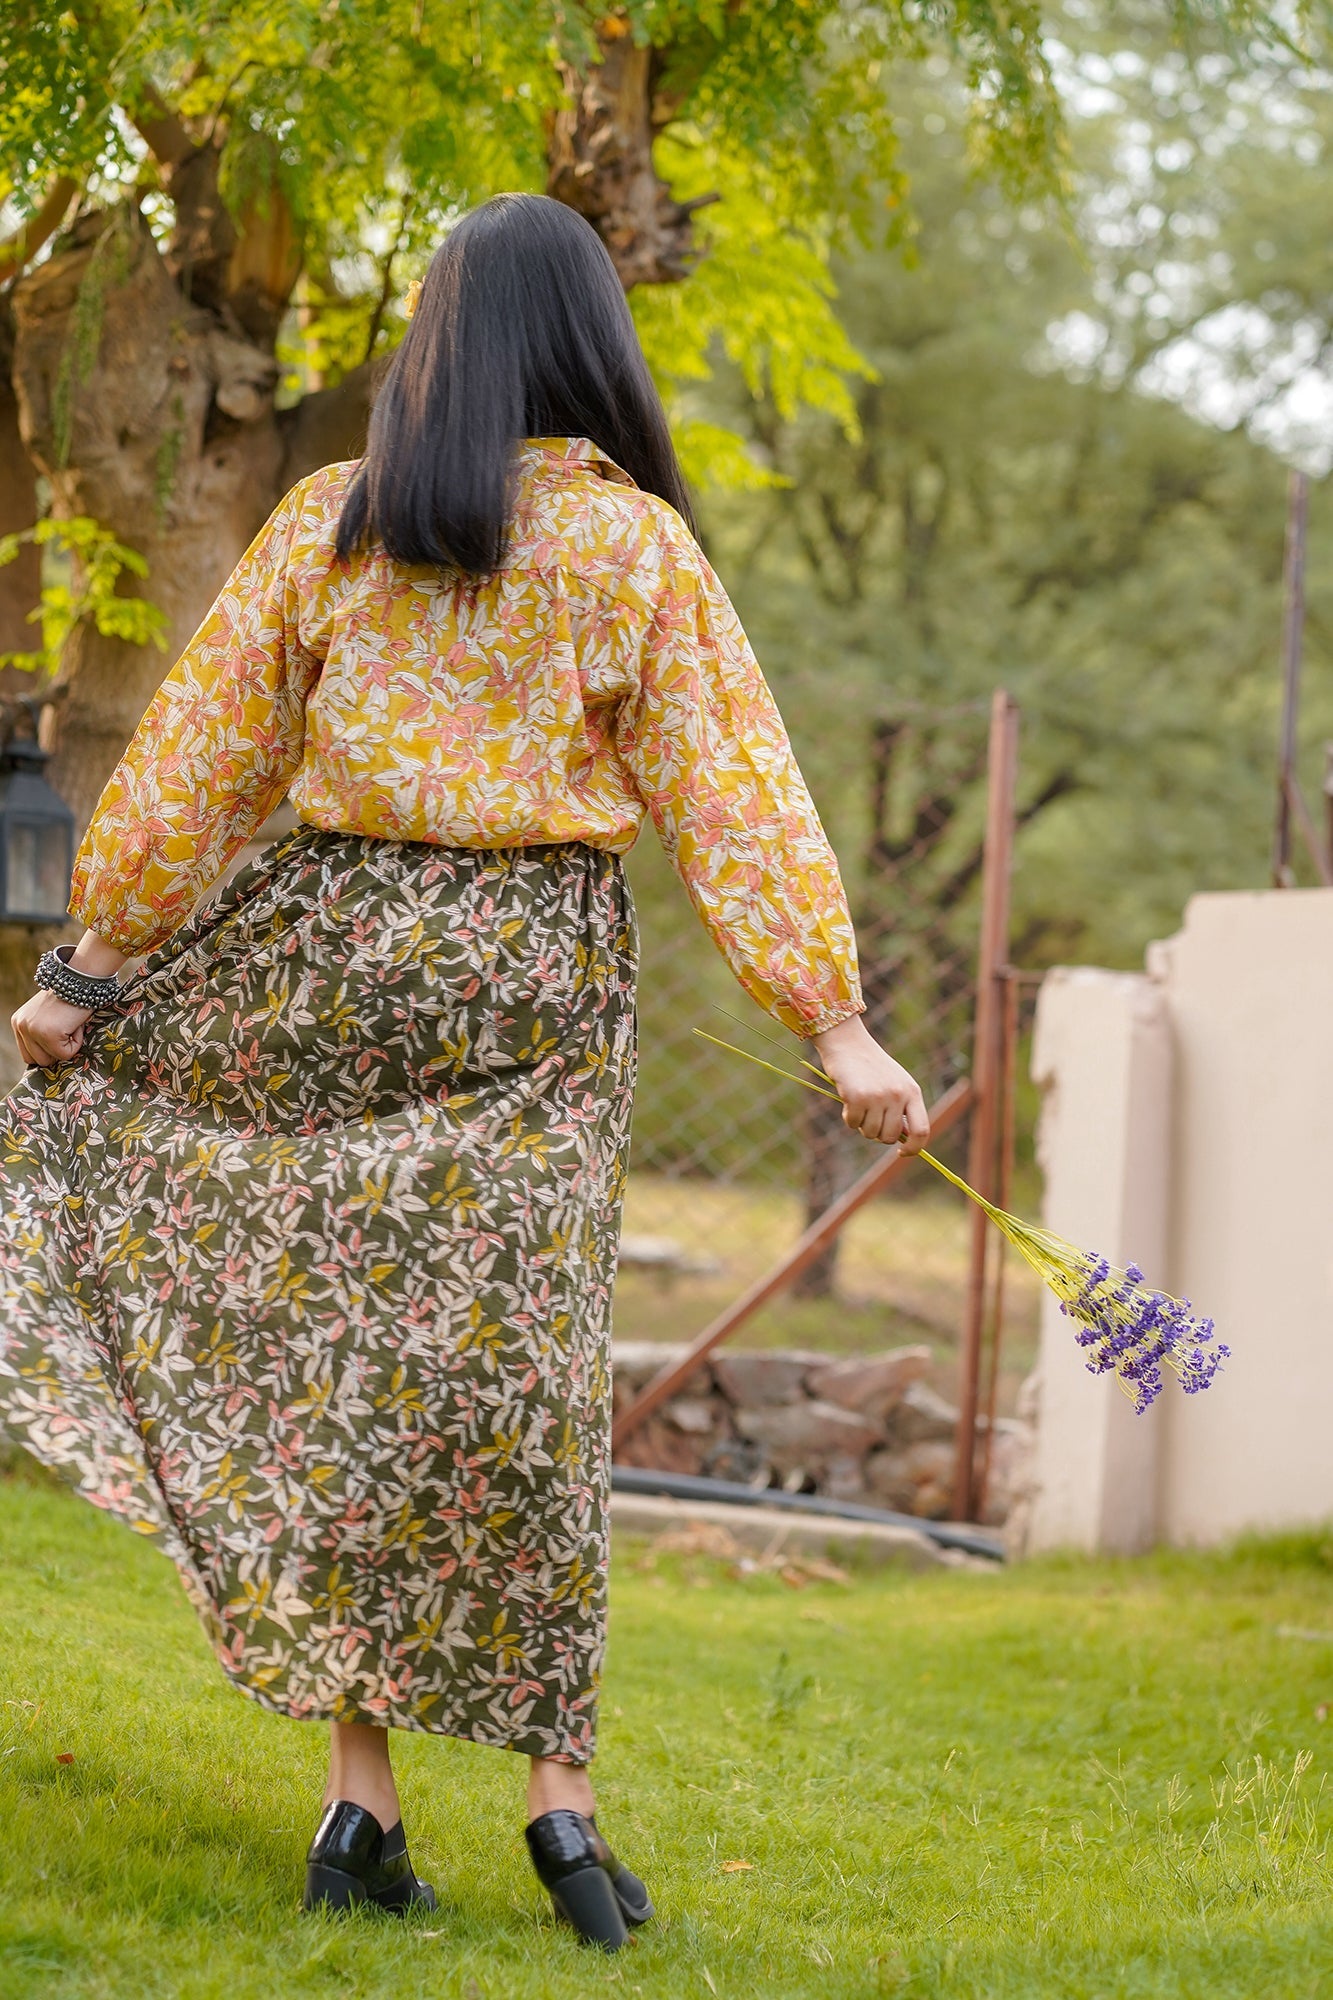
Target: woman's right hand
[
  {"x": 879, "y": 1097},
  {"x": 48, "y": 1030}
]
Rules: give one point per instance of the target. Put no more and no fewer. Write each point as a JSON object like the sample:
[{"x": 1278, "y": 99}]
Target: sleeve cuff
[{"x": 848, "y": 1011}]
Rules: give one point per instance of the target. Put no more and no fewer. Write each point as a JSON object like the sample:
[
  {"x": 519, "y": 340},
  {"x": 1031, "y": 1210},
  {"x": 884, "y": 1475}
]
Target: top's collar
[{"x": 557, "y": 454}]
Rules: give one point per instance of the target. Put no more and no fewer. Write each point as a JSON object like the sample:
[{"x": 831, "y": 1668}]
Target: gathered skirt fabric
[{"x": 306, "y": 1268}]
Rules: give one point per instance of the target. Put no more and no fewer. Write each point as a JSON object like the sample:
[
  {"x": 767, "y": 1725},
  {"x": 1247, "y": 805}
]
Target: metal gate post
[{"x": 987, "y": 1073}]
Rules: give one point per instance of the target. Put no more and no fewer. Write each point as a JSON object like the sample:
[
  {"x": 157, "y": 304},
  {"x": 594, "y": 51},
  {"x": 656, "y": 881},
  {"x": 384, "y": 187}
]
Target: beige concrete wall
[
  {"x": 1102, "y": 1055},
  {"x": 1249, "y": 981},
  {"x": 1188, "y": 1125}
]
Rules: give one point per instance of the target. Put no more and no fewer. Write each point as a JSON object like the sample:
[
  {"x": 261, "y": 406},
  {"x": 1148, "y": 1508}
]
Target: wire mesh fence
[{"x": 730, "y": 1162}]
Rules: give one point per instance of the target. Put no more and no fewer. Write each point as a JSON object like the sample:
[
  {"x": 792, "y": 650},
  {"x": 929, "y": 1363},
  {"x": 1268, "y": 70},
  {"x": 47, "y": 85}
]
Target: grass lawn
[{"x": 1073, "y": 1779}]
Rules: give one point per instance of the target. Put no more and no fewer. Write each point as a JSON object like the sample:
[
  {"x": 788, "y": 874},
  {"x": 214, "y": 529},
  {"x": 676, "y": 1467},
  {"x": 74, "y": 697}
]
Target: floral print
[
  {"x": 306, "y": 1270},
  {"x": 600, "y": 676}
]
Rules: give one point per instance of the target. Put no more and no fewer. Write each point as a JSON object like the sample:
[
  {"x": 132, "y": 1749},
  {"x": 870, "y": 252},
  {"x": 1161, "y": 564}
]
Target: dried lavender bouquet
[{"x": 1126, "y": 1328}]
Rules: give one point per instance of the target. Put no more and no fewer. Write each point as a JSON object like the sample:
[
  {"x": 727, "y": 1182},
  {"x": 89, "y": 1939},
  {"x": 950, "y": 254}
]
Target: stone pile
[{"x": 866, "y": 1427}]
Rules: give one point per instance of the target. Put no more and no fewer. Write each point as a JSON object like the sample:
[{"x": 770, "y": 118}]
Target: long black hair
[{"x": 521, "y": 331}]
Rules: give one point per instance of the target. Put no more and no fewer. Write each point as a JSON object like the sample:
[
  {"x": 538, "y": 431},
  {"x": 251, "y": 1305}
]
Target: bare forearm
[{"x": 93, "y": 956}]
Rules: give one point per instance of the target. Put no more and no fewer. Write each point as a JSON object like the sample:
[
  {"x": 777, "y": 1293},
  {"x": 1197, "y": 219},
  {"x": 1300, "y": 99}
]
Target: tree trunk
[
  {"x": 833, "y": 1158},
  {"x": 21, "y": 580},
  {"x": 154, "y": 414},
  {"x": 20, "y": 590},
  {"x": 141, "y": 412},
  {"x": 600, "y": 156},
  {"x": 167, "y": 436}
]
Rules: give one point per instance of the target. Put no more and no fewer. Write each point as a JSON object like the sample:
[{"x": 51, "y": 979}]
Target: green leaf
[{"x": 84, "y": 589}]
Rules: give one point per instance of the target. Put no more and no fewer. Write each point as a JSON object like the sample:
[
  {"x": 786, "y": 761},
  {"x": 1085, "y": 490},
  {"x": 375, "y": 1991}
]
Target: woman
[{"x": 311, "y": 1223}]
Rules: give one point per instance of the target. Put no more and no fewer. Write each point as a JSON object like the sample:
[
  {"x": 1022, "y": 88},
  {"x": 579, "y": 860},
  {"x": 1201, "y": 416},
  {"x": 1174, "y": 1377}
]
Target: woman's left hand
[
  {"x": 48, "y": 1030},
  {"x": 880, "y": 1099}
]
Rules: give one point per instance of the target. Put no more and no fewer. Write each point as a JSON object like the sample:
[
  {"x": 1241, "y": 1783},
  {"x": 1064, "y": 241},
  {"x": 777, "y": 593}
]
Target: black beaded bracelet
[{"x": 57, "y": 976}]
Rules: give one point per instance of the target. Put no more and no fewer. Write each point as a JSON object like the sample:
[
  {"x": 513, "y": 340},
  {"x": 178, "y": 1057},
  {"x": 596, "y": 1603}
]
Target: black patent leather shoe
[
  {"x": 588, "y": 1887},
  {"x": 352, "y": 1860}
]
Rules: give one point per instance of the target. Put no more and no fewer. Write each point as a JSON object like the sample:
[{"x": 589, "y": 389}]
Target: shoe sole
[{"x": 333, "y": 1889}]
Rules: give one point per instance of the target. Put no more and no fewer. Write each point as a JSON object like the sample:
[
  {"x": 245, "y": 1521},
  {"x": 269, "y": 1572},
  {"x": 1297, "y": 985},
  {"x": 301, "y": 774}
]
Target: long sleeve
[
  {"x": 213, "y": 755},
  {"x": 706, "y": 746}
]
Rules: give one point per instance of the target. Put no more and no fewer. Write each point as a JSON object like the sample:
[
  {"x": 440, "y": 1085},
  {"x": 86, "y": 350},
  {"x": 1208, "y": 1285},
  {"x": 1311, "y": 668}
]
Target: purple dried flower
[{"x": 1128, "y": 1328}]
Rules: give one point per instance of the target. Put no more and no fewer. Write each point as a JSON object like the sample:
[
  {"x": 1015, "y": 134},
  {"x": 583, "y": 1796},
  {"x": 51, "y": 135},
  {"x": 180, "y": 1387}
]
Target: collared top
[{"x": 600, "y": 674}]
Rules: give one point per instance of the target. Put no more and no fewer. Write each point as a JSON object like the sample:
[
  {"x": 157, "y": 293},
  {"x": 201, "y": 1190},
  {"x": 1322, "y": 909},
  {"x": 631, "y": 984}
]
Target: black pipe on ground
[{"x": 690, "y": 1486}]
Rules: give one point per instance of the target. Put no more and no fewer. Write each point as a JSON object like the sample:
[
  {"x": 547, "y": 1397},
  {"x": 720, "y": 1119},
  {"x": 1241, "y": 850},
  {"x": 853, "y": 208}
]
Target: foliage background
[{"x": 1064, "y": 471}]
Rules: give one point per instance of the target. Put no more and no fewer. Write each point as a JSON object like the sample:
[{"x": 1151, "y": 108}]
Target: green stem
[{"x": 806, "y": 1084}]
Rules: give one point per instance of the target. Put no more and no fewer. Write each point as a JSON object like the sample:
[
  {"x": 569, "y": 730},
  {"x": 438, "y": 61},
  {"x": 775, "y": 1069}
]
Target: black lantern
[{"x": 36, "y": 838}]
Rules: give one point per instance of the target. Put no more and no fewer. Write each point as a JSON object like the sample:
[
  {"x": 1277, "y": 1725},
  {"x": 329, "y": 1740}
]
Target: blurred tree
[
  {"x": 1017, "y": 510},
  {"x": 1020, "y": 507}
]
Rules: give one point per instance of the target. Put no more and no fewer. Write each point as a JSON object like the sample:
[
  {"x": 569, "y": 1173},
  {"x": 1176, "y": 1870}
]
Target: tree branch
[
  {"x": 956, "y": 886},
  {"x": 386, "y": 284},
  {"x": 162, "y": 130},
  {"x": 28, "y": 238}
]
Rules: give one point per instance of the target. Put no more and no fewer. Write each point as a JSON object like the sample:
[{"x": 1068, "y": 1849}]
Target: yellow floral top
[{"x": 601, "y": 674}]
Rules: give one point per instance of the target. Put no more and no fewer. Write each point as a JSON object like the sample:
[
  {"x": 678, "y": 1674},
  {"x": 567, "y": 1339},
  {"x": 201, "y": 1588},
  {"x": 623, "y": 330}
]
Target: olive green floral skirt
[{"x": 306, "y": 1270}]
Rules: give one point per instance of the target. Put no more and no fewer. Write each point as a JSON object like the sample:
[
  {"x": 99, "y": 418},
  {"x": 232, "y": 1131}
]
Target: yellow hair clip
[{"x": 411, "y": 298}]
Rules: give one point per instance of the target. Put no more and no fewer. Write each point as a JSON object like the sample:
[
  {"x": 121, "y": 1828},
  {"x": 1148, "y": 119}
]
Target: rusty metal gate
[{"x": 930, "y": 895}]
